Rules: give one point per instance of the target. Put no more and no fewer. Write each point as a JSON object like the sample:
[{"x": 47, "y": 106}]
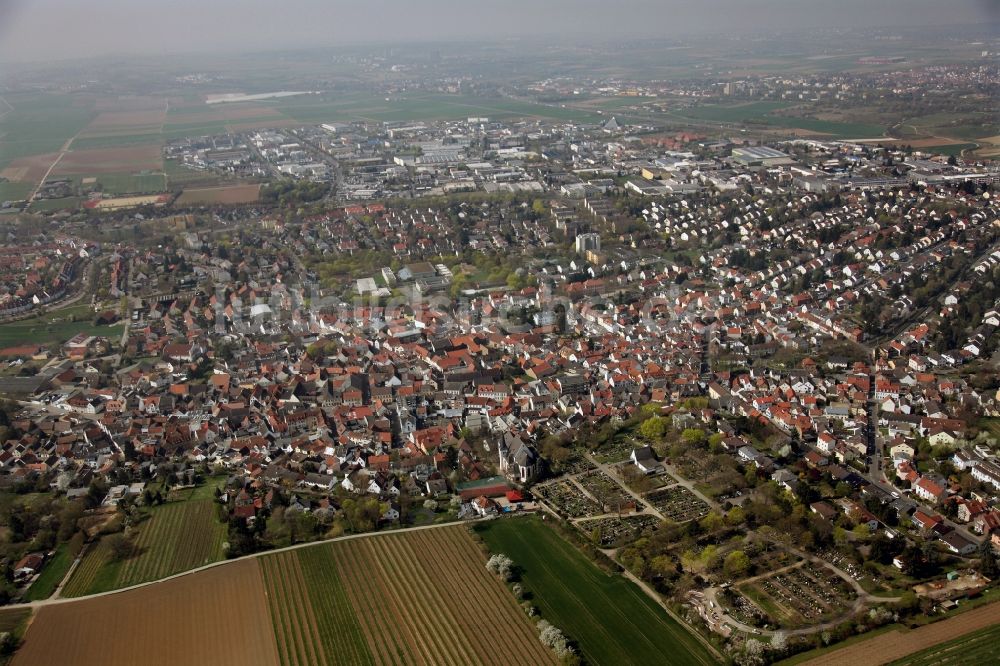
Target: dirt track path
[{"x": 55, "y": 162}]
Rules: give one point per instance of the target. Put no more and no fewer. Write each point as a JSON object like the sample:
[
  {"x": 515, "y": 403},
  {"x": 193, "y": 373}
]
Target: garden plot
[
  {"x": 567, "y": 499},
  {"x": 611, "y": 531},
  {"x": 606, "y": 491},
  {"x": 577, "y": 464},
  {"x": 806, "y": 592},
  {"x": 678, "y": 504}
]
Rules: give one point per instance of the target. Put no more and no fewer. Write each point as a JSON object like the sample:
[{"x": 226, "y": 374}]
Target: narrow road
[{"x": 69, "y": 574}]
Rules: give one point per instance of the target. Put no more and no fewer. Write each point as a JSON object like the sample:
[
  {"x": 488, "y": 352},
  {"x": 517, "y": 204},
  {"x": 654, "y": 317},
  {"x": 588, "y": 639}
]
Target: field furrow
[
  {"x": 457, "y": 587},
  {"x": 425, "y": 593},
  {"x": 372, "y": 614},
  {"x": 336, "y": 621},
  {"x": 402, "y": 616}
]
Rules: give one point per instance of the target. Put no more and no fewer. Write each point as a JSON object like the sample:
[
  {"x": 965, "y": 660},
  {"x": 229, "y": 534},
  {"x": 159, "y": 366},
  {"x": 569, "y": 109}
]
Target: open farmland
[
  {"x": 178, "y": 536},
  {"x": 40, "y": 124},
  {"x": 211, "y": 617},
  {"x": 420, "y": 596},
  {"x": 234, "y": 194},
  {"x": 610, "y": 618},
  {"x": 979, "y": 647},
  {"x": 893, "y": 645},
  {"x": 56, "y": 326},
  {"x": 94, "y": 161},
  {"x": 430, "y": 585}
]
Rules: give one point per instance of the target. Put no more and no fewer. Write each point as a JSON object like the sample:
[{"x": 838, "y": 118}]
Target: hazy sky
[{"x": 32, "y": 30}]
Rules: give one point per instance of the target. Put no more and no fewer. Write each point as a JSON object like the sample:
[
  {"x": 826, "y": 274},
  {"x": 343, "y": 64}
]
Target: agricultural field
[
  {"x": 11, "y": 191},
  {"x": 14, "y": 622},
  {"x": 612, "y": 621},
  {"x": 178, "y": 536},
  {"x": 898, "y": 644},
  {"x": 311, "y": 109},
  {"x": 216, "y": 617},
  {"x": 57, "y": 326},
  {"x": 234, "y": 194},
  {"x": 422, "y": 596},
  {"x": 979, "y": 647},
  {"x": 39, "y": 124},
  {"x": 431, "y": 585},
  {"x": 733, "y": 113}
]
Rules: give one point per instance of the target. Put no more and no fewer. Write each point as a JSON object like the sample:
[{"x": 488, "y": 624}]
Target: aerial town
[{"x": 743, "y": 366}]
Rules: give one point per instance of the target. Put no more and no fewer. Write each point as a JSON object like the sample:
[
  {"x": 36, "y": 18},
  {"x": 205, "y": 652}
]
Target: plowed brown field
[
  {"x": 214, "y": 617},
  {"x": 897, "y": 644}
]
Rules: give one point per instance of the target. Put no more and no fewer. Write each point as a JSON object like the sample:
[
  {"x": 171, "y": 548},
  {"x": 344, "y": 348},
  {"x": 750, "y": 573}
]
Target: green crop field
[
  {"x": 91, "y": 573},
  {"x": 55, "y": 327},
  {"x": 735, "y": 113},
  {"x": 609, "y": 617},
  {"x": 119, "y": 140},
  {"x": 313, "y": 619},
  {"x": 11, "y": 191},
  {"x": 49, "y": 205},
  {"x": 124, "y": 183},
  {"x": 177, "y": 536},
  {"x": 978, "y": 647},
  {"x": 52, "y": 574},
  {"x": 419, "y": 108},
  {"x": 336, "y": 621},
  {"x": 41, "y": 123},
  {"x": 838, "y": 130}
]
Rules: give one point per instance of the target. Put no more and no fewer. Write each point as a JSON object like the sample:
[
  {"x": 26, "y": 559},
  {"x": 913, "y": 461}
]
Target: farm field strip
[
  {"x": 336, "y": 621},
  {"x": 462, "y": 590},
  {"x": 404, "y": 642},
  {"x": 178, "y": 536},
  {"x": 427, "y": 595},
  {"x": 214, "y": 617},
  {"x": 893, "y": 645},
  {"x": 86, "y": 572},
  {"x": 978, "y": 647},
  {"x": 479, "y": 587},
  {"x": 370, "y": 614},
  {"x": 299, "y": 643},
  {"x": 610, "y": 618},
  {"x": 419, "y": 644}
]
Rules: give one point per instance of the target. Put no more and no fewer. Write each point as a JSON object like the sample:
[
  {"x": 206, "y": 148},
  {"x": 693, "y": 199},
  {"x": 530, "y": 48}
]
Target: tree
[
  {"x": 502, "y": 566},
  {"x": 736, "y": 564},
  {"x": 693, "y": 436},
  {"x": 120, "y": 546},
  {"x": 988, "y": 560},
  {"x": 653, "y": 428}
]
